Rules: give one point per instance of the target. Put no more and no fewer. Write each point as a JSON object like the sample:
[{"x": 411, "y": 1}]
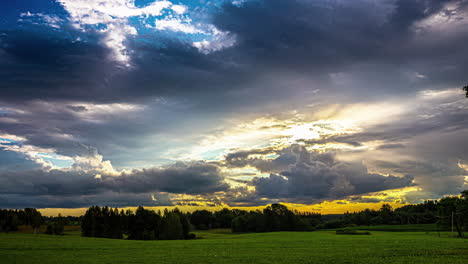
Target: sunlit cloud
[{"x": 210, "y": 104}]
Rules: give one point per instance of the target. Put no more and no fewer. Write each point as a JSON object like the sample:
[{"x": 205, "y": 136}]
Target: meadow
[{"x": 221, "y": 246}]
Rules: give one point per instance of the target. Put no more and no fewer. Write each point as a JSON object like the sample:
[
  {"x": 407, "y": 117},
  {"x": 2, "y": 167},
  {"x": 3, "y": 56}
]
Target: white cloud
[
  {"x": 50, "y": 20},
  {"x": 238, "y": 2},
  {"x": 90, "y": 12},
  {"x": 113, "y": 15},
  {"x": 94, "y": 163},
  {"x": 10, "y": 137},
  {"x": 179, "y": 9},
  {"x": 220, "y": 40},
  {"x": 114, "y": 38},
  {"x": 33, "y": 153},
  {"x": 177, "y": 25}
]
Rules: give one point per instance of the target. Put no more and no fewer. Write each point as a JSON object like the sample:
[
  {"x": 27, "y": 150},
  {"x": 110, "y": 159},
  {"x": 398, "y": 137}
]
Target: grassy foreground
[{"x": 219, "y": 246}]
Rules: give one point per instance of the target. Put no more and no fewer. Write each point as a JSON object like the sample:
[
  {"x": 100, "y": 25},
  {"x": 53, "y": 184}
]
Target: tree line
[
  {"x": 145, "y": 224},
  {"x": 275, "y": 217},
  {"x": 142, "y": 224},
  {"x": 11, "y": 219},
  {"x": 439, "y": 212}
]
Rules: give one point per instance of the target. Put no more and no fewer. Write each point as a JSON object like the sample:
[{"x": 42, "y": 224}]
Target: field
[{"x": 220, "y": 246}]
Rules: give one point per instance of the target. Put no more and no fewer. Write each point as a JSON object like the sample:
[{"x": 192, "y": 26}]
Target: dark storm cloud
[
  {"x": 374, "y": 40},
  {"x": 10, "y": 161},
  {"x": 436, "y": 165},
  {"x": 315, "y": 38},
  {"x": 243, "y": 158},
  {"x": 77, "y": 108},
  {"x": 73, "y": 66},
  {"x": 79, "y": 186},
  {"x": 428, "y": 143},
  {"x": 49, "y": 65},
  {"x": 69, "y": 129},
  {"x": 193, "y": 178},
  {"x": 304, "y": 176},
  {"x": 113, "y": 199}
]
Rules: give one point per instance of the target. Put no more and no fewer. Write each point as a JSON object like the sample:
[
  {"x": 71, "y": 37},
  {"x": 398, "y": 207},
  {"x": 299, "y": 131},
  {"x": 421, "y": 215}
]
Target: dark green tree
[
  {"x": 453, "y": 212},
  {"x": 223, "y": 218},
  {"x": 33, "y": 218},
  {"x": 184, "y": 221},
  {"x": 144, "y": 225},
  {"x": 9, "y": 221},
  {"x": 56, "y": 226},
  {"x": 202, "y": 219},
  {"x": 171, "y": 227}
]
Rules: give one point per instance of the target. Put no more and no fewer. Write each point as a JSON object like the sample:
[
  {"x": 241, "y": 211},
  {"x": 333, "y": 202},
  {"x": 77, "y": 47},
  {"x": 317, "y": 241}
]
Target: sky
[{"x": 326, "y": 105}]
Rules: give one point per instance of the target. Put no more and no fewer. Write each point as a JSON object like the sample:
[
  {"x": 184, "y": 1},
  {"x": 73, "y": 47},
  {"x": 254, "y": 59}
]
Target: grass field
[
  {"x": 399, "y": 228},
  {"x": 220, "y": 246}
]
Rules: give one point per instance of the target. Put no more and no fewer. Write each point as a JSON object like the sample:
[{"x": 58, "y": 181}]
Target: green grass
[
  {"x": 398, "y": 228},
  {"x": 347, "y": 231},
  {"x": 220, "y": 246}
]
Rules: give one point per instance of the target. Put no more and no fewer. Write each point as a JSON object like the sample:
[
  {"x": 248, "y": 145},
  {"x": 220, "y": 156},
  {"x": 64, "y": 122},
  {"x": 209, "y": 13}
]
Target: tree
[
  {"x": 453, "y": 211},
  {"x": 462, "y": 209},
  {"x": 239, "y": 224},
  {"x": 171, "y": 227},
  {"x": 59, "y": 225},
  {"x": 89, "y": 222},
  {"x": 56, "y": 227},
  {"x": 9, "y": 221},
  {"x": 33, "y": 218},
  {"x": 184, "y": 221},
  {"x": 466, "y": 90},
  {"x": 386, "y": 213},
  {"x": 144, "y": 225},
  {"x": 36, "y": 221},
  {"x": 275, "y": 217},
  {"x": 223, "y": 218},
  {"x": 202, "y": 219}
]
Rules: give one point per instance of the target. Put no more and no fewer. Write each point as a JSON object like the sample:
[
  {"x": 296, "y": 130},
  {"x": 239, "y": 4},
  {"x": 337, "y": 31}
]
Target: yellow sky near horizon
[
  {"x": 392, "y": 197},
  {"x": 332, "y": 207}
]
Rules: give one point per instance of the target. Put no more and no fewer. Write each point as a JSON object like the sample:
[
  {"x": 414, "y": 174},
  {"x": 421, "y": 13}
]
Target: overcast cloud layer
[{"x": 126, "y": 103}]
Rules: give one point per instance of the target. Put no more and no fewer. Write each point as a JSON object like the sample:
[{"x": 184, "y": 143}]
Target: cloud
[
  {"x": 324, "y": 37},
  {"x": 113, "y": 20},
  {"x": 390, "y": 146},
  {"x": 196, "y": 73},
  {"x": 46, "y": 65},
  {"x": 77, "y": 185},
  {"x": 50, "y": 20},
  {"x": 13, "y": 161},
  {"x": 114, "y": 16},
  {"x": 307, "y": 177},
  {"x": 243, "y": 48},
  {"x": 74, "y": 125},
  {"x": 113, "y": 199},
  {"x": 176, "y": 25},
  {"x": 220, "y": 40}
]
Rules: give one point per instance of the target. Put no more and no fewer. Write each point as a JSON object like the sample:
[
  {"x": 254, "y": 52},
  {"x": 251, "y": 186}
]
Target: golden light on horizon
[{"x": 393, "y": 197}]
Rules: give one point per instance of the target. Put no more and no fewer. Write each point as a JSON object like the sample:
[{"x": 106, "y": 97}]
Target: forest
[{"x": 105, "y": 222}]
